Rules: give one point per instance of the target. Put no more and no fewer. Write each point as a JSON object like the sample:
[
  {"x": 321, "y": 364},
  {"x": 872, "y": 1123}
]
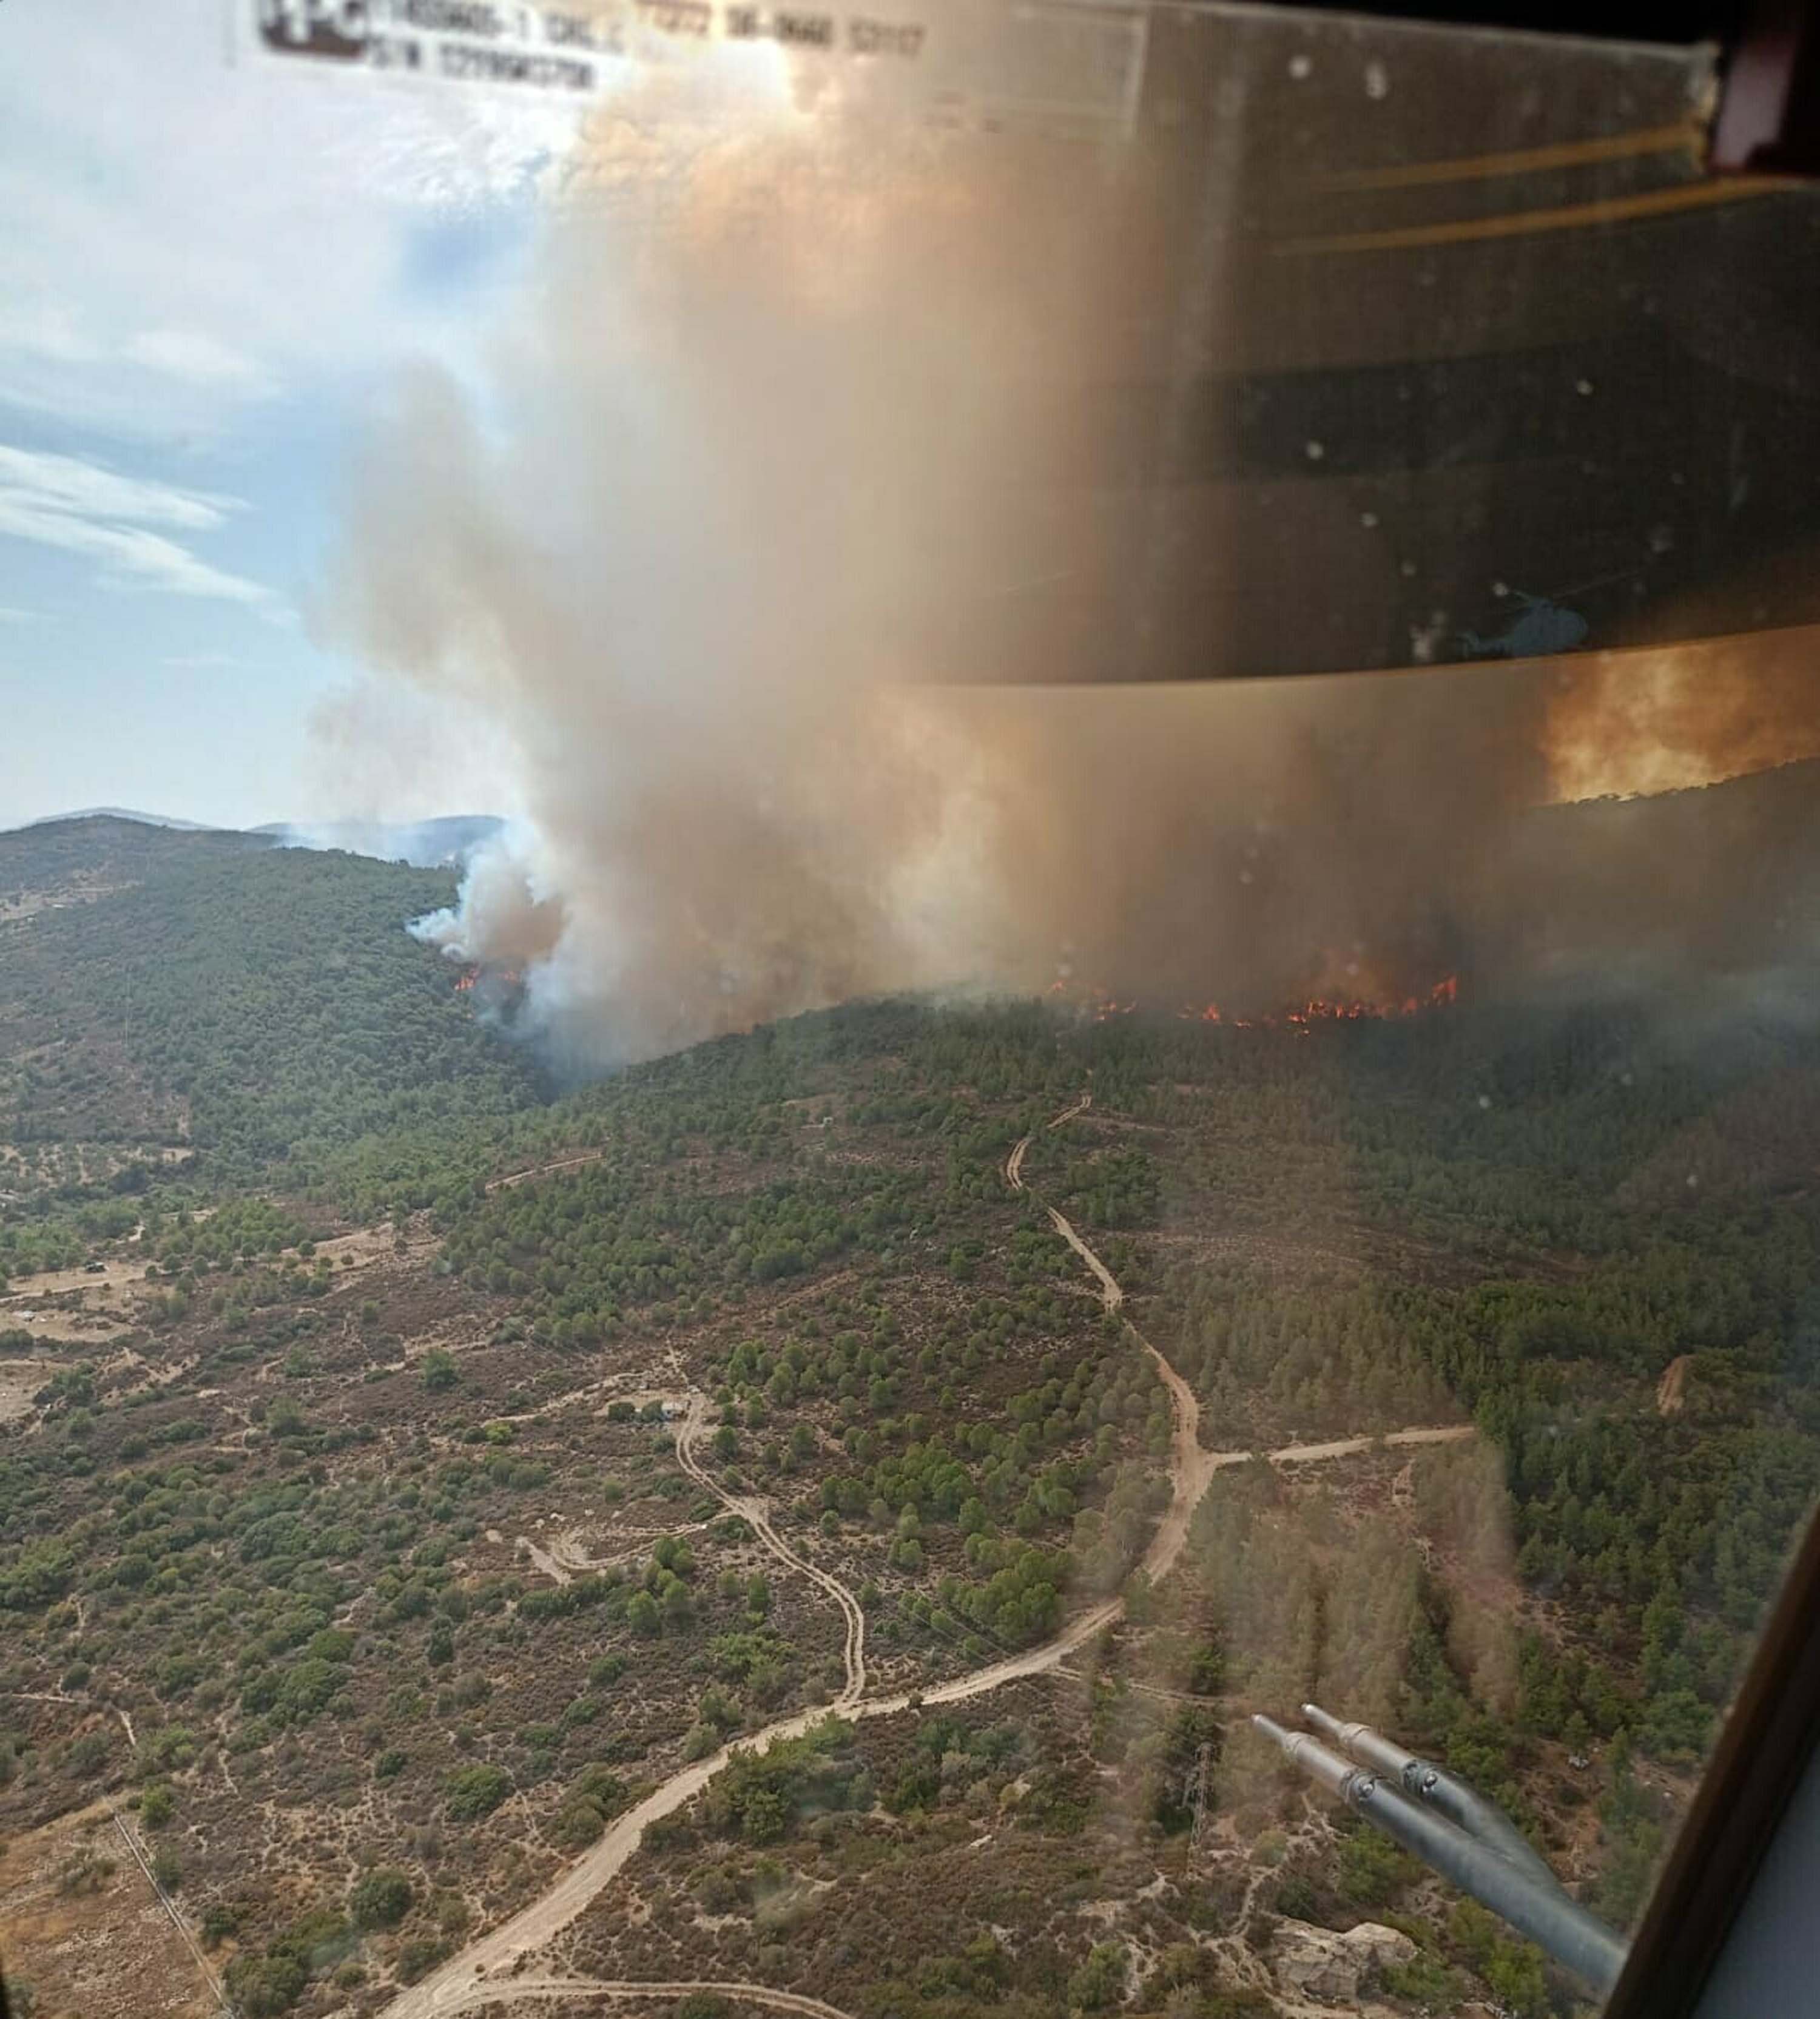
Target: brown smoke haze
[{"x": 766, "y": 421}]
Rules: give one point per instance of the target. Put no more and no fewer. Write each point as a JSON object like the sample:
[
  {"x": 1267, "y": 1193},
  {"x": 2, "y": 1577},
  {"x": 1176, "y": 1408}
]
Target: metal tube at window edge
[
  {"x": 1575, "y": 1938},
  {"x": 1427, "y": 1782}
]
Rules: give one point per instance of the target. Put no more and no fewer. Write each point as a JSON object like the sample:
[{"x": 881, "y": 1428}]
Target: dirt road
[
  {"x": 1014, "y": 1163},
  {"x": 480, "y": 1975},
  {"x": 755, "y": 1513},
  {"x": 565, "y": 1560},
  {"x": 1440, "y": 1434},
  {"x": 512, "y": 1178},
  {"x": 530, "y": 1988},
  {"x": 1190, "y": 1468}
]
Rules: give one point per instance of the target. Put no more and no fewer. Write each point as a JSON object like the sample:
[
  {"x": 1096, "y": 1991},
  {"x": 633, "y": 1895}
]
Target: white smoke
[
  {"x": 500, "y": 907},
  {"x": 753, "y": 434}
]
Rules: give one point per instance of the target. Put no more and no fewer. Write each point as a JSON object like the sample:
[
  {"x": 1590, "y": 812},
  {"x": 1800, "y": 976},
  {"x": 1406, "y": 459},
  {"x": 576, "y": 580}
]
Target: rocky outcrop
[{"x": 1317, "y": 1963}]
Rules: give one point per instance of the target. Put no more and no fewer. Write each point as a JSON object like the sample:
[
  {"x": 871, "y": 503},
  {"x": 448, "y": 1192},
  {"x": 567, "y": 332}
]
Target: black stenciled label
[
  {"x": 338, "y": 29},
  {"x": 500, "y": 41}
]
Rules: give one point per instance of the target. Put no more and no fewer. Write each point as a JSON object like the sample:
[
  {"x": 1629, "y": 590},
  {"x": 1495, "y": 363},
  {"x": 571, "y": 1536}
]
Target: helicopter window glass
[{"x": 896, "y": 899}]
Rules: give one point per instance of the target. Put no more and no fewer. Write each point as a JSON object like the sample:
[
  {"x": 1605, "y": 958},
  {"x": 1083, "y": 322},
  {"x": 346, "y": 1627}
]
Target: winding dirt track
[
  {"x": 1190, "y": 1468},
  {"x": 481, "y": 1975},
  {"x": 529, "y": 1988},
  {"x": 755, "y": 1512}
]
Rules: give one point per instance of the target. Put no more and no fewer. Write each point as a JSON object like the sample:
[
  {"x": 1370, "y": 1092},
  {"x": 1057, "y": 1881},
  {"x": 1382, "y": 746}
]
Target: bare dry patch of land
[{"x": 81, "y": 1927}]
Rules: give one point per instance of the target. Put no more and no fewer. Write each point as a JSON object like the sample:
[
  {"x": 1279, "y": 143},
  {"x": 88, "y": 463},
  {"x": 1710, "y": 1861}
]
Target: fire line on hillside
[{"x": 1101, "y": 1006}]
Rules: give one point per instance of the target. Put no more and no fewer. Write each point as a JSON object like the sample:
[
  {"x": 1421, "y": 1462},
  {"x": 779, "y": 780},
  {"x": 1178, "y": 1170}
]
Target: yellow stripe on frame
[
  {"x": 1566, "y": 217},
  {"x": 1685, "y": 138}
]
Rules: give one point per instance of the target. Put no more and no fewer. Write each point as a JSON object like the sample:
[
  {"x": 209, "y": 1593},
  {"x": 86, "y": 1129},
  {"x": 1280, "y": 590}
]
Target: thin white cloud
[
  {"x": 72, "y": 483},
  {"x": 84, "y": 508},
  {"x": 11, "y": 613}
]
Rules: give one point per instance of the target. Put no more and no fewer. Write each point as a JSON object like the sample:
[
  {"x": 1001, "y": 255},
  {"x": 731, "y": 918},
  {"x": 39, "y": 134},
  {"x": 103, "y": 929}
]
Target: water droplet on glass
[
  {"x": 1583, "y": 387},
  {"x": 1377, "y": 80},
  {"x": 1485, "y": 1100},
  {"x": 1301, "y": 66},
  {"x": 1368, "y": 518},
  {"x": 1315, "y": 450}
]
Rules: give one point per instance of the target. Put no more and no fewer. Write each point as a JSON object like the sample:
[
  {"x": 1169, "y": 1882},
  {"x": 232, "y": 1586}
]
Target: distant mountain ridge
[
  {"x": 439, "y": 844},
  {"x": 122, "y": 813}
]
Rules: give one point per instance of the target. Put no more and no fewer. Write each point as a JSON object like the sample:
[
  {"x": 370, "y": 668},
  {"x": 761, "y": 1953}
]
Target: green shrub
[
  {"x": 1373, "y": 1871},
  {"x": 1100, "y": 1981},
  {"x": 577, "y": 1825},
  {"x": 264, "y": 1986},
  {"x": 380, "y": 1898},
  {"x": 474, "y": 1792},
  {"x": 440, "y": 1370},
  {"x": 419, "y": 1956}
]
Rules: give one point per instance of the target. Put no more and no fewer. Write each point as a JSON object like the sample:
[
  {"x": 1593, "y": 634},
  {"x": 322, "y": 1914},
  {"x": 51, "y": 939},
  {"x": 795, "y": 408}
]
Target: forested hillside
[
  {"x": 410, "y": 1467},
  {"x": 210, "y": 999},
  {"x": 1532, "y": 1217}
]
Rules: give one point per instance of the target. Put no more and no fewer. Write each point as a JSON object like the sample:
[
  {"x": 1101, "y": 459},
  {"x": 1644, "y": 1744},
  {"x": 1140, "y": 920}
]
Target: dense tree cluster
[
  {"x": 583, "y": 1249},
  {"x": 1473, "y": 1215}
]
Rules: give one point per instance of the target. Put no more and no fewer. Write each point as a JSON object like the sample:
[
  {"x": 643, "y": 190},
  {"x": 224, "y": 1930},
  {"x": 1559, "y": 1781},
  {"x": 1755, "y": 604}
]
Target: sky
[{"x": 212, "y": 269}]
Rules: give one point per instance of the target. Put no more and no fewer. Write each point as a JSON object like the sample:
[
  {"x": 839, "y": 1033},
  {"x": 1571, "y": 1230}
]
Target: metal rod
[
  {"x": 1316, "y": 1760},
  {"x": 1433, "y": 1784},
  {"x": 1574, "y": 1937}
]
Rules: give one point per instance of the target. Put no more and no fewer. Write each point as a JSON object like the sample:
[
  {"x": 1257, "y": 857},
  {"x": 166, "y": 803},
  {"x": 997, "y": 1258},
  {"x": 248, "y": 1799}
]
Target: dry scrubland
[{"x": 407, "y": 1471}]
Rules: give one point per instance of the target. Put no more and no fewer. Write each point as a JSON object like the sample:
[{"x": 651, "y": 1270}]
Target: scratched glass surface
[{"x": 908, "y": 932}]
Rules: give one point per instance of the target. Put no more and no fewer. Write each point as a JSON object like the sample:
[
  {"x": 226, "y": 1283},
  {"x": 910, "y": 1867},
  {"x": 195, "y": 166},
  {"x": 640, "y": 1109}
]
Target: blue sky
[{"x": 210, "y": 272}]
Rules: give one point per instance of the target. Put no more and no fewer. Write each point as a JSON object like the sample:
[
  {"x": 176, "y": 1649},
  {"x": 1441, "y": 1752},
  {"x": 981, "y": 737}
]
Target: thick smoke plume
[
  {"x": 751, "y": 424},
  {"x": 768, "y": 421}
]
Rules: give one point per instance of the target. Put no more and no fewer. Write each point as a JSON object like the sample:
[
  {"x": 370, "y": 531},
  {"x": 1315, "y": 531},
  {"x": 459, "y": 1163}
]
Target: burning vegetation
[
  {"x": 491, "y": 987},
  {"x": 1101, "y": 1006},
  {"x": 1353, "y": 1009}
]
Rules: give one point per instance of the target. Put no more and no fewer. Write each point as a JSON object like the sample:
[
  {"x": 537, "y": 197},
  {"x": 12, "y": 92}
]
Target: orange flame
[
  {"x": 1098, "y": 1003},
  {"x": 1321, "y": 1009},
  {"x": 510, "y": 977}
]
